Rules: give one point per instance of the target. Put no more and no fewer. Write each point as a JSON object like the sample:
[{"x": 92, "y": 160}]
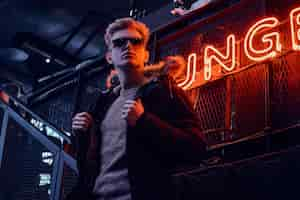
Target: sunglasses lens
[
  {"x": 118, "y": 42},
  {"x": 121, "y": 42},
  {"x": 136, "y": 41}
]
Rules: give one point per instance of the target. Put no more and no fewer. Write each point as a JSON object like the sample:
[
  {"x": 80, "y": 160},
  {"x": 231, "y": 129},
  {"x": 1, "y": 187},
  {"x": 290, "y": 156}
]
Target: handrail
[
  {"x": 34, "y": 115},
  {"x": 203, "y": 169},
  {"x": 60, "y": 157}
]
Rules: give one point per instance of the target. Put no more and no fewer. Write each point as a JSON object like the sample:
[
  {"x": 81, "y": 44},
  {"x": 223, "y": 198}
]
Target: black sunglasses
[{"x": 122, "y": 42}]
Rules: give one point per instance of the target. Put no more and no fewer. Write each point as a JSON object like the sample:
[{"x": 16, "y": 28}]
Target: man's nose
[{"x": 128, "y": 44}]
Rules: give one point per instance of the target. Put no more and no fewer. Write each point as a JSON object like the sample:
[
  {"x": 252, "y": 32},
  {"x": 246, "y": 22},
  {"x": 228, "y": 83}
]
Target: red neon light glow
[
  {"x": 219, "y": 57},
  {"x": 272, "y": 39},
  {"x": 263, "y": 31},
  {"x": 191, "y": 72},
  {"x": 4, "y": 97},
  {"x": 191, "y": 59},
  {"x": 295, "y": 28}
]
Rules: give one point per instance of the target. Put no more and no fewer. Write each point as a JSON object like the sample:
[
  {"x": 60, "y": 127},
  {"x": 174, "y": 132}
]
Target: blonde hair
[
  {"x": 124, "y": 23},
  {"x": 176, "y": 65}
]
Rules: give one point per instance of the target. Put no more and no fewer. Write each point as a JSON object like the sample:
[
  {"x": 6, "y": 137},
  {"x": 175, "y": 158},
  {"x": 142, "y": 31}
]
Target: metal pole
[{"x": 3, "y": 134}]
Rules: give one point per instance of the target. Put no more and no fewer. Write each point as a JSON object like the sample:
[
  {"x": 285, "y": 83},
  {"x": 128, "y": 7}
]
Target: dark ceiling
[
  {"x": 54, "y": 20},
  {"x": 69, "y": 29}
]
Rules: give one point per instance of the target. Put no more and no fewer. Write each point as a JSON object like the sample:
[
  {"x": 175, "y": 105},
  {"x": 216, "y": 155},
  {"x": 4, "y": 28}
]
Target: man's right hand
[{"x": 81, "y": 122}]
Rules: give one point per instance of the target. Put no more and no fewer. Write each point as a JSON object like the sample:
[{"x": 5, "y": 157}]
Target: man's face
[{"x": 128, "y": 50}]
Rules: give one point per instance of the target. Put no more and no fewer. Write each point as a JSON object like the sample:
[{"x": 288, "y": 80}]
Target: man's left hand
[{"x": 132, "y": 111}]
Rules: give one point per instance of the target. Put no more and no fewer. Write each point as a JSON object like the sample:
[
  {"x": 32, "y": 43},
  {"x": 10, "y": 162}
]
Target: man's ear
[
  {"x": 147, "y": 56},
  {"x": 108, "y": 57}
]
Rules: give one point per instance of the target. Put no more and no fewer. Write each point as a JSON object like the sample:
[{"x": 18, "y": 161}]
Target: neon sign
[
  {"x": 295, "y": 28},
  {"x": 273, "y": 39},
  {"x": 262, "y": 42},
  {"x": 191, "y": 71},
  {"x": 219, "y": 57}
]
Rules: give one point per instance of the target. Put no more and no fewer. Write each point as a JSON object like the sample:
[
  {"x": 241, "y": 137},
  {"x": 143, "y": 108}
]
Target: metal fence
[
  {"x": 257, "y": 98},
  {"x": 33, "y": 163}
]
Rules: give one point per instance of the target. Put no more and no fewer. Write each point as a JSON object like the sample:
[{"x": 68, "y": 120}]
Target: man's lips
[{"x": 128, "y": 55}]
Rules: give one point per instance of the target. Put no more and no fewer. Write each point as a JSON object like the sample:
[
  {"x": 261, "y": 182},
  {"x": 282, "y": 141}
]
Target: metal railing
[{"x": 32, "y": 157}]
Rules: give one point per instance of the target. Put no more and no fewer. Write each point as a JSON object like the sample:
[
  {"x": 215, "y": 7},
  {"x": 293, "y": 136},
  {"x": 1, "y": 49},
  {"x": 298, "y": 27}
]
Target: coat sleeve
[
  {"x": 180, "y": 134},
  {"x": 86, "y": 150}
]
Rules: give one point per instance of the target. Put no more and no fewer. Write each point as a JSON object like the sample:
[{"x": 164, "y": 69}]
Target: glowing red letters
[{"x": 262, "y": 42}]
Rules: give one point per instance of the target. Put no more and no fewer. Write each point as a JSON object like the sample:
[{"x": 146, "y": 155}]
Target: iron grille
[
  {"x": 248, "y": 105},
  {"x": 285, "y": 100},
  {"x": 210, "y": 107}
]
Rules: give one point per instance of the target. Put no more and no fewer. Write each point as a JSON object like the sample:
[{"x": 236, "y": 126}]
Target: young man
[{"x": 130, "y": 141}]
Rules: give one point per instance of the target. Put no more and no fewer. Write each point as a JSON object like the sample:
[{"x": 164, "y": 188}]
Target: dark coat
[{"x": 165, "y": 136}]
